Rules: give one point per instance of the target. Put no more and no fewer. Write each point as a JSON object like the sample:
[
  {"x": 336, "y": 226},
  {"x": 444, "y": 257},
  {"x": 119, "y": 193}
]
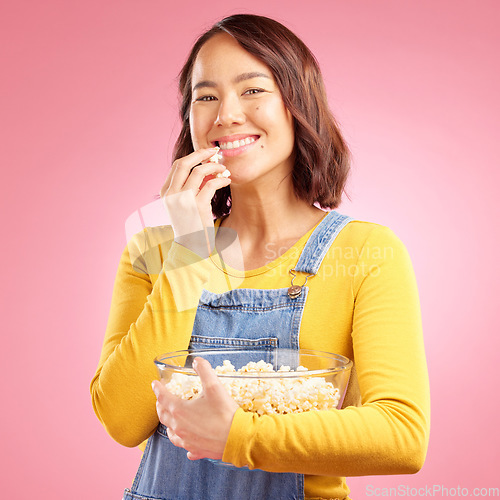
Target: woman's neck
[{"x": 261, "y": 217}]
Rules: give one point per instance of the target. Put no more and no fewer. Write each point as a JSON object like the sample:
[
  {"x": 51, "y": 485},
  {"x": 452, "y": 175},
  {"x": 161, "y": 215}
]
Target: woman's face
[{"x": 237, "y": 106}]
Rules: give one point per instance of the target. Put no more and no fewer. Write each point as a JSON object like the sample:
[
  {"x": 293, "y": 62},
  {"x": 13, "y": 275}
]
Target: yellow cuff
[{"x": 239, "y": 437}]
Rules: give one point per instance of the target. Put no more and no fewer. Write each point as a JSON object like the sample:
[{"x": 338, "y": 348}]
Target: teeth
[{"x": 236, "y": 144}]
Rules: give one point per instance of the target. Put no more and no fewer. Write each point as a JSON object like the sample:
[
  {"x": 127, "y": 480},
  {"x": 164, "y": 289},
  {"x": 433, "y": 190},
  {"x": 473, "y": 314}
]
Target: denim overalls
[{"x": 245, "y": 317}]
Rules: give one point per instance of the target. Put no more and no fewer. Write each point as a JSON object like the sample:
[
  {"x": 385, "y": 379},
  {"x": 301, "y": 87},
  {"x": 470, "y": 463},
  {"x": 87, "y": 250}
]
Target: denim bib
[{"x": 243, "y": 317}]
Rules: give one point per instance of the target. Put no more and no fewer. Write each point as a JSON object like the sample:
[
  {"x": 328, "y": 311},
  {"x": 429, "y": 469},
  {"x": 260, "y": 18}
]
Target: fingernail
[
  {"x": 153, "y": 386},
  {"x": 195, "y": 363}
]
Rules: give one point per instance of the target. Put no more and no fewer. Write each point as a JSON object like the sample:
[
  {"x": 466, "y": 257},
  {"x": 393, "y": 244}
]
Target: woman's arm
[
  {"x": 145, "y": 321},
  {"x": 389, "y": 433},
  {"x": 151, "y": 316}
]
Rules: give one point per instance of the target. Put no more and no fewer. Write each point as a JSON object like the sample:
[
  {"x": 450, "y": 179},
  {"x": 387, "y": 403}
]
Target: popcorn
[
  {"x": 215, "y": 159},
  {"x": 225, "y": 174},
  {"x": 268, "y": 395}
]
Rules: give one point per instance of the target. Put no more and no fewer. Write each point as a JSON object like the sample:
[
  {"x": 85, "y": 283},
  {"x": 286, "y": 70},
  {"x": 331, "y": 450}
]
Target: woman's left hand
[{"x": 200, "y": 426}]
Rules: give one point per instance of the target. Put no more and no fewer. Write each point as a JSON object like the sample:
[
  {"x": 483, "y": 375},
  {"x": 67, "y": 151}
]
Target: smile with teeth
[{"x": 236, "y": 144}]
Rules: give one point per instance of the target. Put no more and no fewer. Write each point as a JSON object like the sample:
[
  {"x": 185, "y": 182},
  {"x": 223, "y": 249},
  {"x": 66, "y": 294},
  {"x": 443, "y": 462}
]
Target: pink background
[{"x": 89, "y": 110}]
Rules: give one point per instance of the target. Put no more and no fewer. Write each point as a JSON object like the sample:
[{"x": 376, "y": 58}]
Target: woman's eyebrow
[
  {"x": 249, "y": 76},
  {"x": 238, "y": 79},
  {"x": 203, "y": 84}
]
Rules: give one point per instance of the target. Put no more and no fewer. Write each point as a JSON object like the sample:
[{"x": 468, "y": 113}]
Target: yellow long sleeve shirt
[{"x": 363, "y": 304}]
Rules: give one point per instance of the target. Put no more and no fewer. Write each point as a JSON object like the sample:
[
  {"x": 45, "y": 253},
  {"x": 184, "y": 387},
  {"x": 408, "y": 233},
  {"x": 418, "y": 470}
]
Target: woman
[{"x": 251, "y": 88}]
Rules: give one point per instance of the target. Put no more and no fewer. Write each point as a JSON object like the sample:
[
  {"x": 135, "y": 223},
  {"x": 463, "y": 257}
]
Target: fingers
[
  {"x": 181, "y": 168},
  {"x": 203, "y": 454},
  {"x": 201, "y": 425},
  {"x": 208, "y": 190},
  {"x": 187, "y": 195},
  {"x": 194, "y": 456},
  {"x": 196, "y": 448},
  {"x": 198, "y": 174},
  {"x": 165, "y": 402},
  {"x": 172, "y": 415},
  {"x": 208, "y": 377}
]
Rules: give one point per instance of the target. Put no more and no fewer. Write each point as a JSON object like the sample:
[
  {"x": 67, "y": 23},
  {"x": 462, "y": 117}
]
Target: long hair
[{"x": 322, "y": 158}]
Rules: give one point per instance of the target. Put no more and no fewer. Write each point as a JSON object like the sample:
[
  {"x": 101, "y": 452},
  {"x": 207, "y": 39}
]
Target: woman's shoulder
[
  {"x": 361, "y": 232},
  {"x": 360, "y": 239}
]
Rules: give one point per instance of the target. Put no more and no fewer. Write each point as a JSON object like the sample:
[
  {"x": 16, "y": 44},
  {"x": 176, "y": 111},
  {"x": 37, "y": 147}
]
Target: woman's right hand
[{"x": 187, "y": 196}]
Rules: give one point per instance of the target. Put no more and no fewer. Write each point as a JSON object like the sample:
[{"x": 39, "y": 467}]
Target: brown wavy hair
[{"x": 322, "y": 158}]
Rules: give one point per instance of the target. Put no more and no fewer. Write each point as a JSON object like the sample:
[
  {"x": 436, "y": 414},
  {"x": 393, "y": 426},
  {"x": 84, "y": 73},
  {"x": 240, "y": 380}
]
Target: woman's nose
[{"x": 230, "y": 112}]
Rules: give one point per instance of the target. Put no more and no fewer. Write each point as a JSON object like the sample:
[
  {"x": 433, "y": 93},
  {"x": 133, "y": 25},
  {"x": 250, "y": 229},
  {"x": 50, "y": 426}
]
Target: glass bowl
[{"x": 295, "y": 380}]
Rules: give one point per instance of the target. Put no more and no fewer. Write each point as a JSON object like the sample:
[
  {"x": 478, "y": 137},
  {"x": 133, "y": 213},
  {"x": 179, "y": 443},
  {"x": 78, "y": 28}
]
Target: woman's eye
[
  {"x": 205, "y": 98},
  {"x": 254, "y": 91}
]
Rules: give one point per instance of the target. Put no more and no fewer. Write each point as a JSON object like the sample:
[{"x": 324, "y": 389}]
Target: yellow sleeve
[
  {"x": 388, "y": 434},
  {"x": 153, "y": 307}
]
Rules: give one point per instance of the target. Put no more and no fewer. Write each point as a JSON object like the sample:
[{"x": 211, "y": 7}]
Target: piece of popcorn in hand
[
  {"x": 225, "y": 174},
  {"x": 215, "y": 158}
]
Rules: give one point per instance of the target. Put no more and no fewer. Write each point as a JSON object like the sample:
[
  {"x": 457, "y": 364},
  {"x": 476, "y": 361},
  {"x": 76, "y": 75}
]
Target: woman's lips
[{"x": 235, "y": 145}]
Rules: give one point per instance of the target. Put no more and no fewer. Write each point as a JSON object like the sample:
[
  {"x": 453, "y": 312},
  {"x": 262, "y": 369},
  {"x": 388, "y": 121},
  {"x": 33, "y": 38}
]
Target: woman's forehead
[{"x": 222, "y": 57}]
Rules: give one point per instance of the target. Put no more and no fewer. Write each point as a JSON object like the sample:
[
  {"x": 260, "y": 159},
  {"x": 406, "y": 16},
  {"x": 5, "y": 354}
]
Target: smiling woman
[
  {"x": 237, "y": 106},
  {"x": 252, "y": 92},
  {"x": 278, "y": 55}
]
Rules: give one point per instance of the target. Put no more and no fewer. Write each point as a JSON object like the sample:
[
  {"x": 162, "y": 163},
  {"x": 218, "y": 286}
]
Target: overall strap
[{"x": 320, "y": 241}]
